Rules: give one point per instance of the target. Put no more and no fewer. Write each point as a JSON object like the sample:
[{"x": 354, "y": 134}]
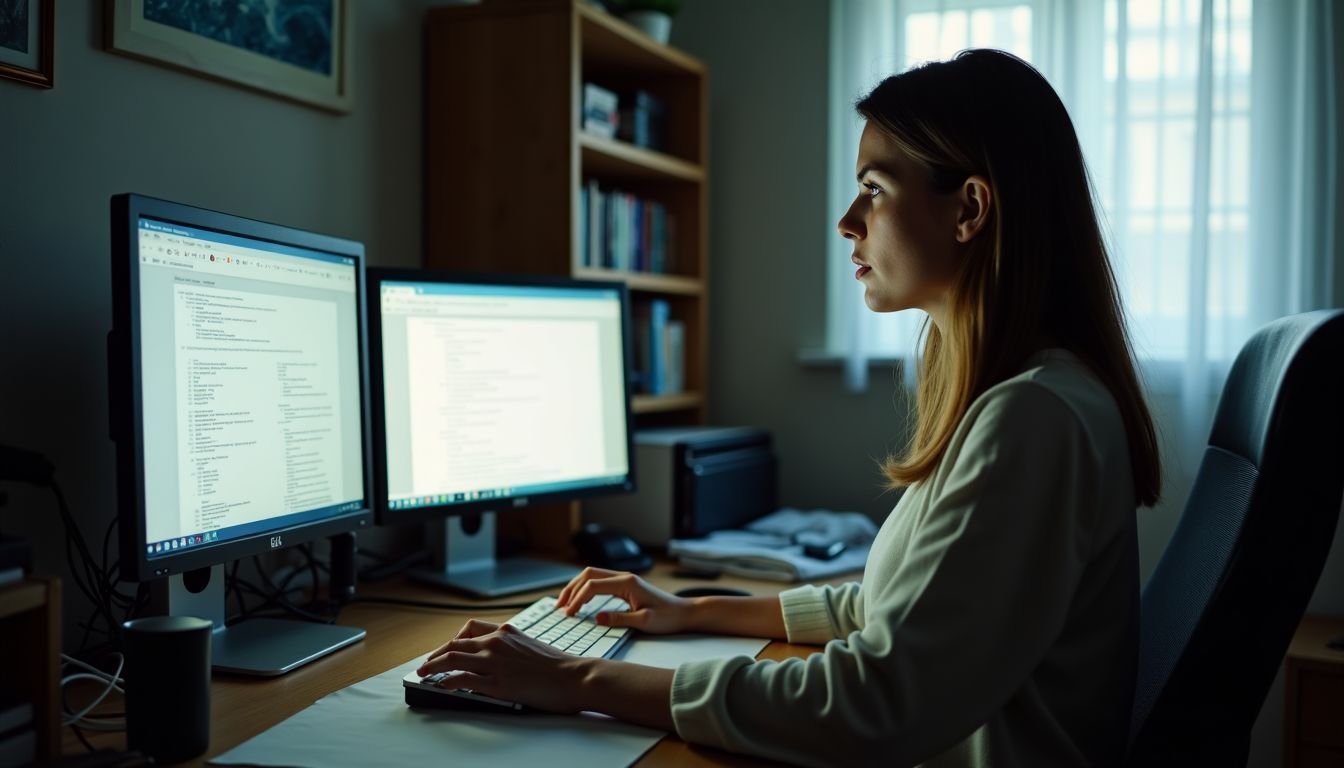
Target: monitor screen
[
  {"x": 500, "y": 391},
  {"x": 246, "y": 367}
]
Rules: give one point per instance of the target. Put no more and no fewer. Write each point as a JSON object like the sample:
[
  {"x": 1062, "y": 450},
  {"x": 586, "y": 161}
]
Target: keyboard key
[{"x": 599, "y": 649}]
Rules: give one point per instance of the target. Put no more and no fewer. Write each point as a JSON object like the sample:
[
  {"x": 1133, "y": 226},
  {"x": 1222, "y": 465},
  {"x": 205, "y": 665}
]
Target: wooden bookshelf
[
  {"x": 506, "y": 157},
  {"x": 30, "y": 621}
]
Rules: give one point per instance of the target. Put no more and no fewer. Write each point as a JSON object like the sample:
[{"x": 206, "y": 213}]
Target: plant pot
[{"x": 655, "y": 24}]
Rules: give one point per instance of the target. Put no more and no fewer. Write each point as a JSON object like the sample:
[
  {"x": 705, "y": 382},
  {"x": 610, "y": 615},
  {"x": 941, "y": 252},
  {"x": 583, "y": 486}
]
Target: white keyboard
[{"x": 579, "y": 635}]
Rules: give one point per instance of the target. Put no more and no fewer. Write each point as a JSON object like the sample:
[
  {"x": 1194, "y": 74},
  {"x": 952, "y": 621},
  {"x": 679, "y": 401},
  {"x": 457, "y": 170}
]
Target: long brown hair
[{"x": 1039, "y": 268}]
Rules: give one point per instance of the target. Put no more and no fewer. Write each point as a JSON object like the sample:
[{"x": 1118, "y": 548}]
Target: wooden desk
[{"x": 244, "y": 707}]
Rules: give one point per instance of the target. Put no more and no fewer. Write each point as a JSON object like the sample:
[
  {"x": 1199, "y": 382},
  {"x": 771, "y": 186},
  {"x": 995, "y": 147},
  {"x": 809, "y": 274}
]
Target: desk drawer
[{"x": 1321, "y": 704}]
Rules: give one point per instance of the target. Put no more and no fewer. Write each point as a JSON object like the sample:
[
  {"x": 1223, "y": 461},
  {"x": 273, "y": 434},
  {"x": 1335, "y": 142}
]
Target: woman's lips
[{"x": 862, "y": 270}]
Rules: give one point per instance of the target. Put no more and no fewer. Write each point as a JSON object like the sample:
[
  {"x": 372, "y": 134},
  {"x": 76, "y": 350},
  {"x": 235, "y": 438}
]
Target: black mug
[{"x": 167, "y": 674}]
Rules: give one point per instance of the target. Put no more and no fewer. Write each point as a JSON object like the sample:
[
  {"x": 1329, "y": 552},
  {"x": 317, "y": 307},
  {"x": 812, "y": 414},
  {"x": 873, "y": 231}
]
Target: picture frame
[
  {"x": 27, "y": 41},
  {"x": 297, "y": 49}
]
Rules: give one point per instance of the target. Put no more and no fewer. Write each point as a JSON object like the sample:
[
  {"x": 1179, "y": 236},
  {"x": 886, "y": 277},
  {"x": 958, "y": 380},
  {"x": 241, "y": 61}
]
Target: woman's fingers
[
  {"x": 472, "y": 629},
  {"x": 469, "y": 681},
  {"x": 618, "y": 585},
  {"x": 580, "y": 580},
  {"x": 635, "y": 619},
  {"x": 475, "y": 628},
  {"x": 455, "y": 661}
]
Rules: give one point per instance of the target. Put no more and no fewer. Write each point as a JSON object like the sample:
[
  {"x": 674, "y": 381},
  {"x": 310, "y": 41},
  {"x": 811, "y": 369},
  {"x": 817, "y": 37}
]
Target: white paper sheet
[{"x": 370, "y": 724}]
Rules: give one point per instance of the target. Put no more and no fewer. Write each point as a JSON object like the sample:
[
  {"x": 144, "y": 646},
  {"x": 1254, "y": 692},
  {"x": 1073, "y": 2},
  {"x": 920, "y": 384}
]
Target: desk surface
[{"x": 244, "y": 707}]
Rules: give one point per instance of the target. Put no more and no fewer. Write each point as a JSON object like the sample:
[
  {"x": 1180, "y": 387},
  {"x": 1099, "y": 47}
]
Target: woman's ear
[{"x": 976, "y": 202}]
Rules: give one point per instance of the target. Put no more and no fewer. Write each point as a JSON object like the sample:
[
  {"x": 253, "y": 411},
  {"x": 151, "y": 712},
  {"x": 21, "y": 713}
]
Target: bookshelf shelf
[
  {"x": 664, "y": 403},
  {"x": 646, "y": 282},
  {"x": 611, "y": 42},
  {"x": 623, "y": 161}
]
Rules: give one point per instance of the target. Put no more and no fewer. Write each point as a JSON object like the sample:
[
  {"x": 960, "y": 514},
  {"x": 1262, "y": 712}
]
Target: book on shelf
[
  {"x": 674, "y": 361},
  {"x": 18, "y": 740},
  {"x": 660, "y": 349},
  {"x": 18, "y": 747},
  {"x": 618, "y": 230},
  {"x": 642, "y": 120},
  {"x": 15, "y": 713},
  {"x": 601, "y": 111}
]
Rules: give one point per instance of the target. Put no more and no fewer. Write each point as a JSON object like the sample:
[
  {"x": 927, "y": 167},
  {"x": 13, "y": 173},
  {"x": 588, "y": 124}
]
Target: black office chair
[{"x": 1219, "y": 611}]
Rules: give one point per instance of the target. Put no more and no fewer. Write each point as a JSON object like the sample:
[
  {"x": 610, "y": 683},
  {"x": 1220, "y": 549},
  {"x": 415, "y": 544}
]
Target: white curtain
[{"x": 1210, "y": 128}]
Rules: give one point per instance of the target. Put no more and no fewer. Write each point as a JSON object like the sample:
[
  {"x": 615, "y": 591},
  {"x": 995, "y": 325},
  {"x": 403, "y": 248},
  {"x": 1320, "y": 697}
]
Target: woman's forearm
[
  {"x": 748, "y": 616},
  {"x": 632, "y": 692},
  {"x": 643, "y": 695}
]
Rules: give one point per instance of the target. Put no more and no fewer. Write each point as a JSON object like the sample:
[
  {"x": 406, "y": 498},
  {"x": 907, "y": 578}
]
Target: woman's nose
[{"x": 850, "y": 226}]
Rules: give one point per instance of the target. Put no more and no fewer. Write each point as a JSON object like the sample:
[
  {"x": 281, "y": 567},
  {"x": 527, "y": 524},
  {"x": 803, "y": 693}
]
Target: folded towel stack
[{"x": 772, "y": 546}]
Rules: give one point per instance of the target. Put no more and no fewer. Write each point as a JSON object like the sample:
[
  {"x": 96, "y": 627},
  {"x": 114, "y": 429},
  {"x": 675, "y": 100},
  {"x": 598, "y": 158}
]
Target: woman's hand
[
  {"x": 651, "y": 609},
  {"x": 502, "y": 662}
]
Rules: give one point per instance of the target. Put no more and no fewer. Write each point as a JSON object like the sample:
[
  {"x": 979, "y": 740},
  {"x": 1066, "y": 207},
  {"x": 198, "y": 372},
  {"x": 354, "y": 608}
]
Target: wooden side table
[
  {"x": 30, "y": 622},
  {"x": 1313, "y": 712}
]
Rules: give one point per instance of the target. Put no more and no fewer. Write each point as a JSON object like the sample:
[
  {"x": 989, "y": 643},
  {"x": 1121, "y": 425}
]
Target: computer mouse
[
  {"x": 712, "y": 592},
  {"x": 609, "y": 548}
]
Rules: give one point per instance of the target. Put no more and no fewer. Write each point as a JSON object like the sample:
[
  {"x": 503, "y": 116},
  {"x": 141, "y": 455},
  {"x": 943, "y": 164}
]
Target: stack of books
[
  {"x": 618, "y": 230},
  {"x": 18, "y": 740},
  {"x": 642, "y": 121}
]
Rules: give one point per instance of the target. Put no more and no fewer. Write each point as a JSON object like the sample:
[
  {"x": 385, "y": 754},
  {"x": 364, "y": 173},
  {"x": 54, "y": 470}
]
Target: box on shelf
[{"x": 600, "y": 111}]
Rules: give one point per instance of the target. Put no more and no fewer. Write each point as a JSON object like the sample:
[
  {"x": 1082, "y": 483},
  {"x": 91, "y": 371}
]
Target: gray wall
[
  {"x": 769, "y": 224},
  {"x": 114, "y": 124},
  {"x": 768, "y": 227}
]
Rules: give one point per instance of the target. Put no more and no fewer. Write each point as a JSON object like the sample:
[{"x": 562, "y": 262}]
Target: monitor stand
[
  {"x": 259, "y": 647},
  {"x": 464, "y": 560}
]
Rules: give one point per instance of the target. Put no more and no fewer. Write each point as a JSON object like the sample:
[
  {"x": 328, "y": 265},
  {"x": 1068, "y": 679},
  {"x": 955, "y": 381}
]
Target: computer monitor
[
  {"x": 239, "y": 408},
  {"x": 495, "y": 392}
]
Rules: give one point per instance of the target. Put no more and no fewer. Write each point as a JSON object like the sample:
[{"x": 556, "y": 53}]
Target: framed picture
[
  {"x": 298, "y": 49},
  {"x": 27, "y": 32}
]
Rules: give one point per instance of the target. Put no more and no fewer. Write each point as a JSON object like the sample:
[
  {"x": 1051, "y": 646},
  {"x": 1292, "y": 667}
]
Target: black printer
[{"x": 692, "y": 480}]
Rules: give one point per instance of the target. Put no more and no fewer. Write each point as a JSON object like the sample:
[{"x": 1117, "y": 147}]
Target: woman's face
[{"x": 905, "y": 233}]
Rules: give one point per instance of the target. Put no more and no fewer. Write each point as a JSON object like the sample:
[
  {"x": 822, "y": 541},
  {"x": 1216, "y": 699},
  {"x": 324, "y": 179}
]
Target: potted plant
[{"x": 652, "y": 17}]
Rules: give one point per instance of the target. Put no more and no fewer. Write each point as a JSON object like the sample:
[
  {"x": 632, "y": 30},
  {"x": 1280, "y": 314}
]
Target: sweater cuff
[
  {"x": 700, "y": 700},
  {"x": 807, "y": 617}
]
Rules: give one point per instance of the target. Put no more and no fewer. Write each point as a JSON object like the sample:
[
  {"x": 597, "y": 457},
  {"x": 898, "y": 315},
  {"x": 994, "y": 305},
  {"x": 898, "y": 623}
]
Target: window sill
[
  {"x": 816, "y": 357},
  {"x": 1159, "y": 377}
]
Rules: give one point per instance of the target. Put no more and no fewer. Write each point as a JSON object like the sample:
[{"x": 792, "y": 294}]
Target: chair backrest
[{"x": 1220, "y": 609}]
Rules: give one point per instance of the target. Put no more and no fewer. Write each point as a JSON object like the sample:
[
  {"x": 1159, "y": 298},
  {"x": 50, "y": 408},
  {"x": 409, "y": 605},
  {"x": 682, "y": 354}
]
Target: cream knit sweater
[{"x": 996, "y": 624}]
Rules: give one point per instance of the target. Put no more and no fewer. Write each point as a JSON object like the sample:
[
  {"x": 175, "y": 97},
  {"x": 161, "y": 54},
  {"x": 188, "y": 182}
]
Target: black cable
[
  {"x": 373, "y": 555},
  {"x": 312, "y": 570},
  {"x": 93, "y": 590},
  {"x": 479, "y": 608},
  {"x": 392, "y": 568},
  {"x": 232, "y": 586},
  {"x": 268, "y": 601},
  {"x": 277, "y": 596},
  {"x": 79, "y": 733}
]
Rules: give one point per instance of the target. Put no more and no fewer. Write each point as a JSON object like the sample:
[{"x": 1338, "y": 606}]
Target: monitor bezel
[
  {"x": 126, "y": 393},
  {"x": 386, "y": 516}
]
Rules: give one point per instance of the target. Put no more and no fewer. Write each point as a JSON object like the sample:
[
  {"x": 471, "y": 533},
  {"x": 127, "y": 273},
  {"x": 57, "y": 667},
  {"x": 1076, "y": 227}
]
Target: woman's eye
[{"x": 872, "y": 189}]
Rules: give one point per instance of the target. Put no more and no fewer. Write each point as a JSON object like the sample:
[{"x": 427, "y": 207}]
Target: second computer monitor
[{"x": 496, "y": 393}]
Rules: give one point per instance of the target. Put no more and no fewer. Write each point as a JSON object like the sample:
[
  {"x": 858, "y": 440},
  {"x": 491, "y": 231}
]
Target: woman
[{"x": 997, "y": 619}]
